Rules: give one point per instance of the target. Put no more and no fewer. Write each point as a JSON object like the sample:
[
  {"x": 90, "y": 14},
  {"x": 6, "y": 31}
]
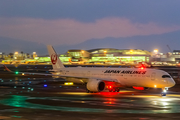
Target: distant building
[
  {"x": 98, "y": 56},
  {"x": 168, "y": 58},
  {"x": 110, "y": 55},
  {"x": 176, "y": 55}
]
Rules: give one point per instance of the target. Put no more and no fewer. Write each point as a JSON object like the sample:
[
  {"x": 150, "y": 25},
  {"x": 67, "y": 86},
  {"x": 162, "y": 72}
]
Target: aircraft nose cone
[{"x": 172, "y": 83}]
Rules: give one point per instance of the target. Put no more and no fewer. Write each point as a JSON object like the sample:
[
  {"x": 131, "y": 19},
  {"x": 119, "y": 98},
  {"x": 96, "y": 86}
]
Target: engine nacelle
[{"x": 95, "y": 85}]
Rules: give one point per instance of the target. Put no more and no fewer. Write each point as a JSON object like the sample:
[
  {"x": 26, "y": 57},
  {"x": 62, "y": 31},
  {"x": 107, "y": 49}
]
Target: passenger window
[{"x": 166, "y": 76}]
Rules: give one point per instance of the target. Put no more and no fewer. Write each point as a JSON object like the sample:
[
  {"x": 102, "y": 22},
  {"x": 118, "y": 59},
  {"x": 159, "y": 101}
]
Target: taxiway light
[
  {"x": 16, "y": 72},
  {"x": 68, "y": 83}
]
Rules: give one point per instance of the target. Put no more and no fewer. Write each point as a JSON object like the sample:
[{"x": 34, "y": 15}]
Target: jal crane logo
[{"x": 53, "y": 58}]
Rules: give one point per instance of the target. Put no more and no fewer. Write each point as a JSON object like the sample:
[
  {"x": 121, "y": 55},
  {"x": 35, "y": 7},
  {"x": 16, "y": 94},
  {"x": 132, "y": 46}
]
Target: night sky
[{"x": 70, "y": 22}]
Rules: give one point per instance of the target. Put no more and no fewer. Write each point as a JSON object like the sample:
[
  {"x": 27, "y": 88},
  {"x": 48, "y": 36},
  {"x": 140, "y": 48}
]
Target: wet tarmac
[{"x": 45, "y": 98}]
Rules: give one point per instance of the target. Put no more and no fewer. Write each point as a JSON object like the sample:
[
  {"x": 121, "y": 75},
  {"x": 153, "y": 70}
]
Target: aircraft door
[{"x": 153, "y": 75}]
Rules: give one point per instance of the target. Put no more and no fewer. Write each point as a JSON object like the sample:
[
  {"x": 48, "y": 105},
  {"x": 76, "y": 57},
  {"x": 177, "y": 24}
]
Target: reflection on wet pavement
[
  {"x": 20, "y": 98},
  {"x": 123, "y": 105}
]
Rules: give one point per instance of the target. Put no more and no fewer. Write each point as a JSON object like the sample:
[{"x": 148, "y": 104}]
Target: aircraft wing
[
  {"x": 29, "y": 73},
  {"x": 85, "y": 79}
]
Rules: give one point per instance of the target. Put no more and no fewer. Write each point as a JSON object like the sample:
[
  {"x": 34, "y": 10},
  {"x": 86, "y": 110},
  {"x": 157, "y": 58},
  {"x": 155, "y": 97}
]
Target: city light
[
  {"x": 156, "y": 51},
  {"x": 16, "y": 53},
  {"x": 131, "y": 51}
]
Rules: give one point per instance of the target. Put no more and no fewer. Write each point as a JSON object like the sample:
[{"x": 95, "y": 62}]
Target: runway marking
[{"x": 167, "y": 104}]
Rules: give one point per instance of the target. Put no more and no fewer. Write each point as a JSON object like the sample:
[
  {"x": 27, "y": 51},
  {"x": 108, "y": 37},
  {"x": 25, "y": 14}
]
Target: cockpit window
[{"x": 166, "y": 76}]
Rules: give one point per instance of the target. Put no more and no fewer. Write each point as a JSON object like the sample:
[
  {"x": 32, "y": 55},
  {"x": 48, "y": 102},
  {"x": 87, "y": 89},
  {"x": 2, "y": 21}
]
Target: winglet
[{"x": 7, "y": 68}]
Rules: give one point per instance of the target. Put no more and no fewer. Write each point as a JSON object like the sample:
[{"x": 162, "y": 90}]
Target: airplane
[{"x": 98, "y": 79}]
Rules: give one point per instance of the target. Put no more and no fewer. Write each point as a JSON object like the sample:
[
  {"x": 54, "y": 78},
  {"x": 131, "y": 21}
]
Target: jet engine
[{"x": 95, "y": 85}]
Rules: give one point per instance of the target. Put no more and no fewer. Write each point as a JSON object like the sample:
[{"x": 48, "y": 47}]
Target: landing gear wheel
[
  {"x": 88, "y": 91},
  {"x": 164, "y": 90},
  {"x": 163, "y": 94},
  {"x": 117, "y": 89},
  {"x": 114, "y": 90}
]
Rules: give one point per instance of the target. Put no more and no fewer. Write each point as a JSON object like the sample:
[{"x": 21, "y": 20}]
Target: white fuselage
[{"x": 124, "y": 76}]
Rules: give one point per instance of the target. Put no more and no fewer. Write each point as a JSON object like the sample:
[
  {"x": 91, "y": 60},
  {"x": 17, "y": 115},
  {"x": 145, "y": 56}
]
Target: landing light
[{"x": 165, "y": 91}]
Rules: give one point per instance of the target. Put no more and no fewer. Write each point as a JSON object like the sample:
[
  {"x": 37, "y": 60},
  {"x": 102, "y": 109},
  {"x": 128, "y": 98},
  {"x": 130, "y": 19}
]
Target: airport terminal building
[
  {"x": 105, "y": 56},
  {"x": 109, "y": 55},
  {"x": 102, "y": 56}
]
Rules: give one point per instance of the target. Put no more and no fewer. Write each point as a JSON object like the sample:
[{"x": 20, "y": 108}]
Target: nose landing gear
[
  {"x": 163, "y": 94},
  {"x": 164, "y": 91}
]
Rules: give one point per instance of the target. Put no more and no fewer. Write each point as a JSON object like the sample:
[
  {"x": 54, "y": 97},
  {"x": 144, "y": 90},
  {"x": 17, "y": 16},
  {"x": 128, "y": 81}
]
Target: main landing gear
[
  {"x": 88, "y": 91},
  {"x": 114, "y": 90}
]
